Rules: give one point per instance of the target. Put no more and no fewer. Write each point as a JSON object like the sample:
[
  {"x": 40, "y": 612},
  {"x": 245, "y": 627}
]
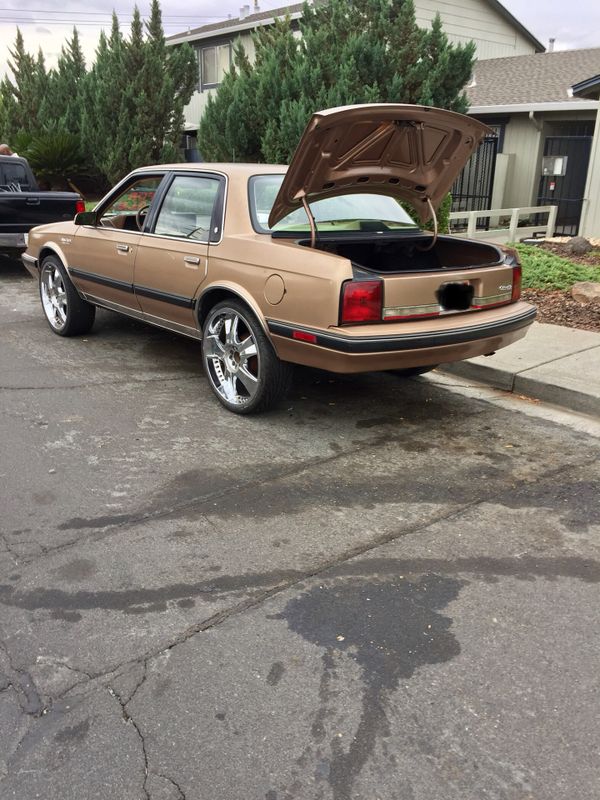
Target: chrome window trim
[{"x": 196, "y": 172}]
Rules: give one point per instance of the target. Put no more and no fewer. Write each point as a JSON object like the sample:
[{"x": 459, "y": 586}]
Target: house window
[{"x": 214, "y": 63}]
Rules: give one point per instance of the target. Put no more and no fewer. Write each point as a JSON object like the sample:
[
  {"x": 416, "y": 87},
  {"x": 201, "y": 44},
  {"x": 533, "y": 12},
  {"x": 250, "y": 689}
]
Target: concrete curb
[{"x": 554, "y": 364}]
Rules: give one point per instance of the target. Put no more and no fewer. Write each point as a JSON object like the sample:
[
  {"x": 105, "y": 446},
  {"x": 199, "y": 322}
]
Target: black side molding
[
  {"x": 130, "y": 288},
  {"x": 101, "y": 279}
]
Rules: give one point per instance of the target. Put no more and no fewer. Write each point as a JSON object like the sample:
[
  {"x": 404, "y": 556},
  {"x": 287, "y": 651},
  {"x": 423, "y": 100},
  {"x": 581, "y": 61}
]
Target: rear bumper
[
  {"x": 481, "y": 333},
  {"x": 13, "y": 241}
]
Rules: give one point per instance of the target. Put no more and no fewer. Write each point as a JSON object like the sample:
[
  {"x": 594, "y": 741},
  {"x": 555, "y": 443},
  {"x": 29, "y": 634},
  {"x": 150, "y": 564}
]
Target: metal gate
[
  {"x": 566, "y": 191},
  {"x": 472, "y": 190}
]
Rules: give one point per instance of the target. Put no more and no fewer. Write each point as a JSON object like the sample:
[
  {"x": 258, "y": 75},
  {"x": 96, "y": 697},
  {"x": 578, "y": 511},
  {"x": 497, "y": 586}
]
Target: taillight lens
[
  {"x": 362, "y": 301},
  {"x": 516, "y": 287},
  {"x": 79, "y": 206}
]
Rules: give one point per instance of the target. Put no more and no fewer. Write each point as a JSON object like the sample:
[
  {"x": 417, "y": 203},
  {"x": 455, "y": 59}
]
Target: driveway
[{"x": 385, "y": 589}]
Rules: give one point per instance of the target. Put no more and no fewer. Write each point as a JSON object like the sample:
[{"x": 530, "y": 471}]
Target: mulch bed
[
  {"x": 591, "y": 259},
  {"x": 558, "y": 307}
]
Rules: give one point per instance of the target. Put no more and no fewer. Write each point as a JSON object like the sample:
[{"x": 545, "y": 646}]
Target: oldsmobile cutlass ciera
[{"x": 315, "y": 264}]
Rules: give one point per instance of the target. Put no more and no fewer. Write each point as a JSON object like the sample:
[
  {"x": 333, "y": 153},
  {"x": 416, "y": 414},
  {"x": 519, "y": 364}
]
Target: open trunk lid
[{"x": 413, "y": 153}]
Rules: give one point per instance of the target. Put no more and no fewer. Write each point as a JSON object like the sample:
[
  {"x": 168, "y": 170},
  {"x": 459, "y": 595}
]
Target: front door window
[{"x": 128, "y": 210}]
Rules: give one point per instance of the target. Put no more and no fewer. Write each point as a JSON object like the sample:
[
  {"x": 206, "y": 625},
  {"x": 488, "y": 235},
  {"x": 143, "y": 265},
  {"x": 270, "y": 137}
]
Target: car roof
[{"x": 237, "y": 170}]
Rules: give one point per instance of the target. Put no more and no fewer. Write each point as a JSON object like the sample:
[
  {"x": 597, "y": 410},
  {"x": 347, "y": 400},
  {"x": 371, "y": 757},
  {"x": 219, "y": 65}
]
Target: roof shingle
[
  {"x": 537, "y": 78},
  {"x": 252, "y": 20}
]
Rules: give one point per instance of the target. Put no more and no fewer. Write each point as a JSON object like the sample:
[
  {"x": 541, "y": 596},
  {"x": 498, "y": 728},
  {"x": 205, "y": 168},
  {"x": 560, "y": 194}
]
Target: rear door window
[{"x": 188, "y": 207}]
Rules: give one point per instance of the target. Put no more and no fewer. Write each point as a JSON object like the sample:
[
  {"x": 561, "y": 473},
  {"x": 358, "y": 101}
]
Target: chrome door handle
[
  {"x": 123, "y": 248},
  {"x": 191, "y": 259}
]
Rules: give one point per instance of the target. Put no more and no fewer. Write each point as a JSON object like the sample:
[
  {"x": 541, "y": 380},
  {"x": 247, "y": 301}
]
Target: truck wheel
[
  {"x": 242, "y": 368},
  {"x": 67, "y": 313}
]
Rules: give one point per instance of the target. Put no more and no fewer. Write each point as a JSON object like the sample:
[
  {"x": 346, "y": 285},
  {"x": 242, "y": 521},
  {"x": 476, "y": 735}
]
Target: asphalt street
[{"x": 384, "y": 590}]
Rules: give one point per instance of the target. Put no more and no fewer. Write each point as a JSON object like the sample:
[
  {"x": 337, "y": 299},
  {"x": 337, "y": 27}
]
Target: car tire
[
  {"x": 411, "y": 372},
  {"x": 66, "y": 312},
  {"x": 240, "y": 363}
]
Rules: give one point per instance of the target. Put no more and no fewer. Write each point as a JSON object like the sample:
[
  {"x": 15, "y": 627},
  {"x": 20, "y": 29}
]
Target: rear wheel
[
  {"x": 67, "y": 313},
  {"x": 410, "y": 372},
  {"x": 242, "y": 368}
]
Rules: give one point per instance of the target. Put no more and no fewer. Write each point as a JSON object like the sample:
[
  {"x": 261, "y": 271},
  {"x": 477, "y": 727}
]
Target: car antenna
[
  {"x": 311, "y": 219},
  {"x": 435, "y": 227}
]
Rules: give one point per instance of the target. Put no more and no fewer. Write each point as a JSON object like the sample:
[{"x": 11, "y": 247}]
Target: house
[
  {"x": 543, "y": 108},
  {"x": 492, "y": 27},
  {"x": 590, "y": 215}
]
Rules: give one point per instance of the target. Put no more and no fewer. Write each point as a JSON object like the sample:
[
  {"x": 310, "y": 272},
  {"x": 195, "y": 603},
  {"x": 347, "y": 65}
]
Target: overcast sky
[{"x": 47, "y": 23}]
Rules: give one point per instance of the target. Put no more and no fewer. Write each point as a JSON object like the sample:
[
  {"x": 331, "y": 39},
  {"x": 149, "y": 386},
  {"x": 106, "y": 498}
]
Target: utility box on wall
[{"x": 554, "y": 165}]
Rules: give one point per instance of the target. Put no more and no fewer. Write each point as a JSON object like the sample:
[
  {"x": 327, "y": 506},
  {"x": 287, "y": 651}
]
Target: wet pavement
[{"x": 384, "y": 589}]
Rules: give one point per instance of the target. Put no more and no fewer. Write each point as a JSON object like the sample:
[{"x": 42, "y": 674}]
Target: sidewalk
[{"x": 555, "y": 364}]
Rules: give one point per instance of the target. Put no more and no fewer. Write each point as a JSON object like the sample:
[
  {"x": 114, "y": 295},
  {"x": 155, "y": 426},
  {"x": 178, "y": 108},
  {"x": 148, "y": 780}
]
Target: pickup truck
[{"x": 23, "y": 205}]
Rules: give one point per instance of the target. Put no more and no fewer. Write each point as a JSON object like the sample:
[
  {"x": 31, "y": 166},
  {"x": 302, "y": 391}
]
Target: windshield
[{"x": 347, "y": 212}]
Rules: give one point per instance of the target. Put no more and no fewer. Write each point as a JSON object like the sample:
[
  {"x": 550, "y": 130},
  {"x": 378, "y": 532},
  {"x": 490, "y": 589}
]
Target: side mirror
[{"x": 86, "y": 218}]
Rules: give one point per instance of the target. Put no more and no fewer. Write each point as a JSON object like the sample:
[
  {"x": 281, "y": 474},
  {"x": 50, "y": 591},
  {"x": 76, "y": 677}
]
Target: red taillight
[
  {"x": 516, "y": 287},
  {"x": 79, "y": 206},
  {"x": 362, "y": 301}
]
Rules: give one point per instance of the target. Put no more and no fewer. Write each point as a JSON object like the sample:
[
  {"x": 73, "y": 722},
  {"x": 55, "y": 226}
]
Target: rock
[
  {"x": 578, "y": 246},
  {"x": 586, "y": 292}
]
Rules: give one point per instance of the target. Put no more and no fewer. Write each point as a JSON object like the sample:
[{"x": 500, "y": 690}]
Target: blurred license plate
[{"x": 455, "y": 296}]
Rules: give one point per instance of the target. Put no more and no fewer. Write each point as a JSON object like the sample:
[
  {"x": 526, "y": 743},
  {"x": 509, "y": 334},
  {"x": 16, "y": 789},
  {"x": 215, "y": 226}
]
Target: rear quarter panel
[{"x": 310, "y": 280}]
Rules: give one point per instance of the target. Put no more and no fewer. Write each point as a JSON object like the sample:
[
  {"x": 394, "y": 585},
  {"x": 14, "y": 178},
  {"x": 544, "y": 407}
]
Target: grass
[{"x": 544, "y": 270}]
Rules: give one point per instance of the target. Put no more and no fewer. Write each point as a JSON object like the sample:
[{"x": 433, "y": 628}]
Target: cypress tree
[
  {"x": 62, "y": 103},
  {"x": 350, "y": 51},
  {"x": 23, "y": 92},
  {"x": 165, "y": 84},
  {"x": 103, "y": 88}
]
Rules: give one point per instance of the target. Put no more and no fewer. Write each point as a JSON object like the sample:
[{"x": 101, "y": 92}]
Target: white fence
[{"x": 504, "y": 223}]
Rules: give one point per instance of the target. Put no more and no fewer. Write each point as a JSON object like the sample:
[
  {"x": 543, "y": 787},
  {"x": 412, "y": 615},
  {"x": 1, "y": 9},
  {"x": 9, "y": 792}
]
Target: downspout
[{"x": 535, "y": 122}]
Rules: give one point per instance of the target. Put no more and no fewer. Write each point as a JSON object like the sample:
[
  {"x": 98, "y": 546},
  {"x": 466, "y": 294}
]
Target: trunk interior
[{"x": 405, "y": 254}]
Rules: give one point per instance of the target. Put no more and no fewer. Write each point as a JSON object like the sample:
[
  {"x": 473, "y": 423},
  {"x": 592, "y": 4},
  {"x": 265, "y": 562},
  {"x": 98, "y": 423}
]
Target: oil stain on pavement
[{"x": 389, "y": 629}]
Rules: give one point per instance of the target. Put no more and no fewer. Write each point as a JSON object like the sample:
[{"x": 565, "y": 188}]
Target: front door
[
  {"x": 566, "y": 191},
  {"x": 102, "y": 257},
  {"x": 172, "y": 256}
]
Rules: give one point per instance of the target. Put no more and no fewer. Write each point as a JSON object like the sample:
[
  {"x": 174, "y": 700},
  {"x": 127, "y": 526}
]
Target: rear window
[
  {"x": 343, "y": 213},
  {"x": 15, "y": 176}
]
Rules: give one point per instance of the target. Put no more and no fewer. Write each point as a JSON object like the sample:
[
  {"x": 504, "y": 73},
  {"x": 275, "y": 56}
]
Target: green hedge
[{"x": 443, "y": 215}]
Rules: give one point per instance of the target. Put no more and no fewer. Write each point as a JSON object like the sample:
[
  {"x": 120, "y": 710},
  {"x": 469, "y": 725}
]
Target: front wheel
[
  {"x": 242, "y": 368},
  {"x": 67, "y": 313}
]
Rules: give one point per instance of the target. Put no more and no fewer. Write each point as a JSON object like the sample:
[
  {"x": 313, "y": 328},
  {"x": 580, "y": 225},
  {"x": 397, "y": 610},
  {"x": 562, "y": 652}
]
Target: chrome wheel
[
  {"x": 54, "y": 295},
  {"x": 231, "y": 356}
]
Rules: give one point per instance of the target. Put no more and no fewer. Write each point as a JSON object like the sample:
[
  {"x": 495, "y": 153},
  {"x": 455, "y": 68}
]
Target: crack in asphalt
[
  {"x": 130, "y": 720},
  {"x": 9, "y": 546},
  {"x": 24, "y": 686},
  {"x": 172, "y": 782}
]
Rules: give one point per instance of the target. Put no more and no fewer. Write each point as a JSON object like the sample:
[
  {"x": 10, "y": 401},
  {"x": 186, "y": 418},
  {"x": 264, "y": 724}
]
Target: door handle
[
  {"x": 191, "y": 259},
  {"x": 123, "y": 248},
  {"x": 33, "y": 201}
]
